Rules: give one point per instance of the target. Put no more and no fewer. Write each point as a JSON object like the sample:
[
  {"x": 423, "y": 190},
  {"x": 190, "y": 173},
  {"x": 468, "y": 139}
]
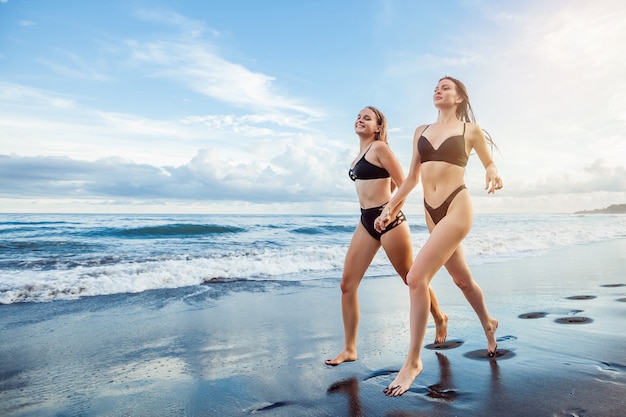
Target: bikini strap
[
  {"x": 463, "y": 129},
  {"x": 366, "y": 151},
  {"x": 427, "y": 126}
]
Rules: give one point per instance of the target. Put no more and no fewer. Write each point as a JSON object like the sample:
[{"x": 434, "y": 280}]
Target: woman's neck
[
  {"x": 447, "y": 116},
  {"x": 365, "y": 141}
]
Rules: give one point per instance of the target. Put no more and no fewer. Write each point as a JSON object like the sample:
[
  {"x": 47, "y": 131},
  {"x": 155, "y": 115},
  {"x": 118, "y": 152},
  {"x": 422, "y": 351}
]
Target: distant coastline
[{"x": 612, "y": 209}]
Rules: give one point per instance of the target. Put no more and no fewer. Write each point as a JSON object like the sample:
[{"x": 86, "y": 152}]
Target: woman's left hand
[
  {"x": 382, "y": 221},
  {"x": 494, "y": 182}
]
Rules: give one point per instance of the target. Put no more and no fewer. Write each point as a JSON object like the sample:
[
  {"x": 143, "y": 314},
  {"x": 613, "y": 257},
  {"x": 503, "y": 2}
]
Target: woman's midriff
[
  {"x": 373, "y": 193},
  {"x": 439, "y": 179}
]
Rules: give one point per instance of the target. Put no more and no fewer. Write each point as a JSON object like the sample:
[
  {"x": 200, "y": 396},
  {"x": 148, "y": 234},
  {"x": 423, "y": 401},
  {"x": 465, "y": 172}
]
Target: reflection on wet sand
[{"x": 349, "y": 387}]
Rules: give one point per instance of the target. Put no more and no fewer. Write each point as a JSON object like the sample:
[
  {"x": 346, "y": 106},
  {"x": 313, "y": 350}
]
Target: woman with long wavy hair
[{"x": 440, "y": 153}]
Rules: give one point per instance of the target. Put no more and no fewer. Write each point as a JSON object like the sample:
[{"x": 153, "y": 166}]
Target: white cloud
[
  {"x": 190, "y": 27},
  {"x": 47, "y": 123},
  {"x": 301, "y": 173},
  {"x": 546, "y": 80},
  {"x": 76, "y": 68},
  {"x": 197, "y": 66},
  {"x": 555, "y": 94}
]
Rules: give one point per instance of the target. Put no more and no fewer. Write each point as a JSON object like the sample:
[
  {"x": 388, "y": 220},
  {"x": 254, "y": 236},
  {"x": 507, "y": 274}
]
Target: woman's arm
[
  {"x": 388, "y": 160},
  {"x": 403, "y": 190},
  {"x": 479, "y": 144}
]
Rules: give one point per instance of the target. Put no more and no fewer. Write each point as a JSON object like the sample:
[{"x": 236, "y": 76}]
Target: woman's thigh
[
  {"x": 399, "y": 248},
  {"x": 359, "y": 256},
  {"x": 444, "y": 239}
]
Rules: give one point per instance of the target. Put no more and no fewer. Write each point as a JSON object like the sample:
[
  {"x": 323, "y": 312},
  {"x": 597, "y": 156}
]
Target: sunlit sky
[{"x": 248, "y": 106}]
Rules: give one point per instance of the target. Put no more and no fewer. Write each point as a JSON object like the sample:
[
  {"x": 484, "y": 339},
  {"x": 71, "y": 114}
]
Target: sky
[{"x": 243, "y": 106}]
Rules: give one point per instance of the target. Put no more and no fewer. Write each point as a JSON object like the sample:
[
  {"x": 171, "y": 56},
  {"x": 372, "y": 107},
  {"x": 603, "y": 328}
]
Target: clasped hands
[{"x": 381, "y": 222}]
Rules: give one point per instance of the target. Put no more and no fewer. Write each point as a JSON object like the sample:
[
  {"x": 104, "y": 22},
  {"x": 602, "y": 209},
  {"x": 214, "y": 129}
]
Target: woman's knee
[
  {"x": 348, "y": 285},
  {"x": 416, "y": 280},
  {"x": 463, "y": 281}
]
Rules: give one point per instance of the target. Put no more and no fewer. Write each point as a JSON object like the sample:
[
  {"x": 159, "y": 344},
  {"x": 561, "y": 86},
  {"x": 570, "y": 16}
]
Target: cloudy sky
[{"x": 248, "y": 106}]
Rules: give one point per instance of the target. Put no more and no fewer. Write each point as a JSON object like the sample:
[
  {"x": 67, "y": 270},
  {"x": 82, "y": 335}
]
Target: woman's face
[
  {"x": 366, "y": 122},
  {"x": 446, "y": 95}
]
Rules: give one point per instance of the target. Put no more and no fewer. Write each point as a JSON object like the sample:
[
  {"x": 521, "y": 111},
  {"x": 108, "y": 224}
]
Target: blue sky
[{"x": 248, "y": 106}]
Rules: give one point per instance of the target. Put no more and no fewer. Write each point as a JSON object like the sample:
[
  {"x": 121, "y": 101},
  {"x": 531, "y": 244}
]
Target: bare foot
[
  {"x": 344, "y": 356},
  {"x": 403, "y": 381},
  {"x": 441, "y": 329},
  {"x": 490, "y": 332}
]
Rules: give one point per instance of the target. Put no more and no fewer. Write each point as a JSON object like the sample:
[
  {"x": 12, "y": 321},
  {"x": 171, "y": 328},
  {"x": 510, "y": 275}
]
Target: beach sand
[{"x": 237, "y": 349}]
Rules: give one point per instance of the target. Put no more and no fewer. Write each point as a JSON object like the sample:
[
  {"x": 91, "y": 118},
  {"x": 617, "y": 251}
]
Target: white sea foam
[
  {"x": 42, "y": 265},
  {"x": 132, "y": 277}
]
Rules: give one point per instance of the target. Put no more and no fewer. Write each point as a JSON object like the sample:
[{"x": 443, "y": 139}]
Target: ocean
[{"x": 50, "y": 257}]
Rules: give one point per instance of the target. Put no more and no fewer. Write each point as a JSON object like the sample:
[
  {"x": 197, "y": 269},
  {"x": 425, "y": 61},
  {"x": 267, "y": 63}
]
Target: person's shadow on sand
[
  {"x": 443, "y": 390},
  {"x": 497, "y": 394},
  {"x": 349, "y": 387}
]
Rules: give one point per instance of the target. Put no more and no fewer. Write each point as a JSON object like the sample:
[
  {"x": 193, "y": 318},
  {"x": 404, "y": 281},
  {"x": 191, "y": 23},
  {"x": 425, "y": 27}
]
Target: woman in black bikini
[
  {"x": 440, "y": 154},
  {"x": 375, "y": 172}
]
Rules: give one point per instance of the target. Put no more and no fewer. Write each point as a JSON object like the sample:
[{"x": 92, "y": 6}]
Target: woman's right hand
[{"x": 382, "y": 220}]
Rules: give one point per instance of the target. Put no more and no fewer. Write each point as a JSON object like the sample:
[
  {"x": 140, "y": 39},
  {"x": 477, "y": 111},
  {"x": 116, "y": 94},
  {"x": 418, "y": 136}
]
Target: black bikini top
[
  {"x": 451, "y": 150},
  {"x": 365, "y": 170}
]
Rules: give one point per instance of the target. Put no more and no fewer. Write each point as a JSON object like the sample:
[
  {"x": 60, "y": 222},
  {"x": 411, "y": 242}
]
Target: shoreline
[{"x": 260, "y": 349}]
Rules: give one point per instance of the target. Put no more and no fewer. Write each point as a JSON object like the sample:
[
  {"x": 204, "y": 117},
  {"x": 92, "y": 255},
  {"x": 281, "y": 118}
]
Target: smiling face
[{"x": 366, "y": 123}]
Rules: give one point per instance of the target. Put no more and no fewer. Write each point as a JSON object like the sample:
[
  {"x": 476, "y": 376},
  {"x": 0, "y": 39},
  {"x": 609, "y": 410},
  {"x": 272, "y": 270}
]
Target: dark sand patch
[
  {"x": 533, "y": 315},
  {"x": 573, "y": 320},
  {"x": 482, "y": 354},
  {"x": 448, "y": 344},
  {"x": 581, "y": 297}
]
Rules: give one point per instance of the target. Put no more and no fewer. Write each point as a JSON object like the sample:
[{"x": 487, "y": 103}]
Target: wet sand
[{"x": 237, "y": 349}]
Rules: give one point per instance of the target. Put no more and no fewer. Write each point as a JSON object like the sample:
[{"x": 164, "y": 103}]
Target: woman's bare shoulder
[
  {"x": 472, "y": 127},
  {"x": 473, "y": 131},
  {"x": 419, "y": 130},
  {"x": 380, "y": 148}
]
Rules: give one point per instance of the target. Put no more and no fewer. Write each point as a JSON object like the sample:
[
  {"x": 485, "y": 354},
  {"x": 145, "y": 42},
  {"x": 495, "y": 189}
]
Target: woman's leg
[
  {"x": 443, "y": 241},
  {"x": 441, "y": 318},
  {"x": 361, "y": 251},
  {"x": 460, "y": 272},
  {"x": 398, "y": 247}
]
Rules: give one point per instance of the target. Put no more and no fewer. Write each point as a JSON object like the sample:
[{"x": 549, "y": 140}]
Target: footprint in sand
[
  {"x": 481, "y": 354},
  {"x": 448, "y": 344},
  {"x": 573, "y": 320},
  {"x": 268, "y": 406},
  {"x": 533, "y": 315},
  {"x": 381, "y": 372},
  {"x": 581, "y": 297}
]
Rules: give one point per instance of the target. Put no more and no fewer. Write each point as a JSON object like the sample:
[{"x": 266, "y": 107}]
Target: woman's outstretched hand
[{"x": 494, "y": 182}]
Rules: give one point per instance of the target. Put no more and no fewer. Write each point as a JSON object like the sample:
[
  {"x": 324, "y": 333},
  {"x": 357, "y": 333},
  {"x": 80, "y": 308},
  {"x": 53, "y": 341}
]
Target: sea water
[{"x": 47, "y": 257}]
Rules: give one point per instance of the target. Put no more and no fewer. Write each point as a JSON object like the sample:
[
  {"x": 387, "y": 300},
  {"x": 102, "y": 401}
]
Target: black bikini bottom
[
  {"x": 440, "y": 212},
  {"x": 368, "y": 216}
]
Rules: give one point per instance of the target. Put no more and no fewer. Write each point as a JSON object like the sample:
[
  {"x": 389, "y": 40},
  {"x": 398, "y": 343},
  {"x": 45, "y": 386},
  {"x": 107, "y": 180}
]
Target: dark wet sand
[{"x": 239, "y": 349}]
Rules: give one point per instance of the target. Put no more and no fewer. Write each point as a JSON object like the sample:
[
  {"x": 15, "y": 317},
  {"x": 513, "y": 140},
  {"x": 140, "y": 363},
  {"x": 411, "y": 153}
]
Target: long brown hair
[
  {"x": 464, "y": 111},
  {"x": 381, "y": 120}
]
